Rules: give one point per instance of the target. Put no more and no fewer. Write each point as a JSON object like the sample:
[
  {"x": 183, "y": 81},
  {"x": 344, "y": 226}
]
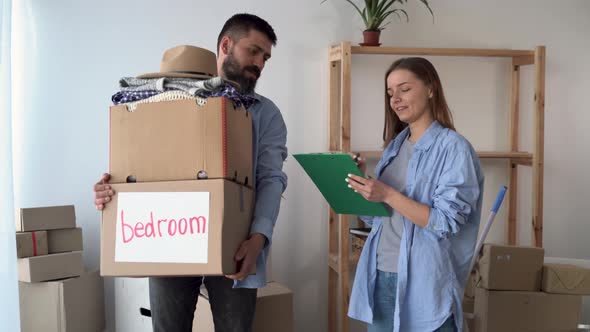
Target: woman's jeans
[{"x": 384, "y": 305}]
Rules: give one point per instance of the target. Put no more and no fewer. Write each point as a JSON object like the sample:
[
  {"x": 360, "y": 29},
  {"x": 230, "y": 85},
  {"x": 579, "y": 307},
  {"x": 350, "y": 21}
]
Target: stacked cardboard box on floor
[
  {"x": 274, "y": 307},
  {"x": 274, "y": 311},
  {"x": 55, "y": 292},
  {"x": 182, "y": 174},
  {"x": 507, "y": 295}
]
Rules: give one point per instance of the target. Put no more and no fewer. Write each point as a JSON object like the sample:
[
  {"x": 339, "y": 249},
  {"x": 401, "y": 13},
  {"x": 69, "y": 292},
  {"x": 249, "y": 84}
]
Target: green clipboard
[{"x": 328, "y": 172}]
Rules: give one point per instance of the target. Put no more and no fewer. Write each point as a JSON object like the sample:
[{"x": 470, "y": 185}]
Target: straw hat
[{"x": 187, "y": 62}]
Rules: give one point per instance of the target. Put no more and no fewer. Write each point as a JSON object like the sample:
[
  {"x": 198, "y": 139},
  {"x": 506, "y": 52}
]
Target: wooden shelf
[
  {"x": 333, "y": 262},
  {"x": 463, "y": 52},
  {"x": 339, "y": 110},
  {"x": 523, "y": 158},
  {"x": 520, "y": 57}
]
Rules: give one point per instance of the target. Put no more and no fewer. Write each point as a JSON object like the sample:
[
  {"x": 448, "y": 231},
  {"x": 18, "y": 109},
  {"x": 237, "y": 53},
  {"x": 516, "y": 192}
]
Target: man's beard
[{"x": 233, "y": 72}]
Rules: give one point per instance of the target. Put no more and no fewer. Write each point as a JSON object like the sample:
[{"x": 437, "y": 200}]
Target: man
[{"x": 243, "y": 47}]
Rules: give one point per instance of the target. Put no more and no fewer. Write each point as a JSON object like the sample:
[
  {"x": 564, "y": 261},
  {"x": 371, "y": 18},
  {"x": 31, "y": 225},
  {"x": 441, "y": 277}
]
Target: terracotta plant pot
[{"x": 371, "y": 38}]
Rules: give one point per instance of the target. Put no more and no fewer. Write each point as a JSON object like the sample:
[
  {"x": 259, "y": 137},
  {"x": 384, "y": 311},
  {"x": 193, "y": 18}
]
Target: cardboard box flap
[{"x": 566, "y": 277}]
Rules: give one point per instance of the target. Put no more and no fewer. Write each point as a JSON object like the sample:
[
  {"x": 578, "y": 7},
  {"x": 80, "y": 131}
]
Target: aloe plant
[{"x": 376, "y": 12}]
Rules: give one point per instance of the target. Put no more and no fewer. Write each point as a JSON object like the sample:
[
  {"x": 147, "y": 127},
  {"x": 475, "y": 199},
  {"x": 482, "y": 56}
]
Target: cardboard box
[
  {"x": 510, "y": 268},
  {"x": 203, "y": 320},
  {"x": 44, "y": 218},
  {"x": 468, "y": 304},
  {"x": 358, "y": 237},
  {"x": 175, "y": 228},
  {"x": 274, "y": 311},
  {"x": 470, "y": 286},
  {"x": 175, "y": 140},
  {"x": 50, "y": 267},
  {"x": 69, "y": 305},
  {"x": 30, "y": 244},
  {"x": 64, "y": 240},
  {"x": 468, "y": 322},
  {"x": 566, "y": 279},
  {"x": 517, "y": 311}
]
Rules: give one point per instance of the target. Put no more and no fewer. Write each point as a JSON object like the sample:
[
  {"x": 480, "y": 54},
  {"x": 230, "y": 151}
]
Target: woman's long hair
[{"x": 424, "y": 71}]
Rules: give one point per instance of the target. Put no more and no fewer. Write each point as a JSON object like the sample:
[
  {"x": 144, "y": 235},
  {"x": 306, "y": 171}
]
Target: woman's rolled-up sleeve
[{"x": 456, "y": 195}]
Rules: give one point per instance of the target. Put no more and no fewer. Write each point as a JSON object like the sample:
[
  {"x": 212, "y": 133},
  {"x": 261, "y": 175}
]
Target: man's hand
[
  {"x": 247, "y": 254},
  {"x": 102, "y": 192}
]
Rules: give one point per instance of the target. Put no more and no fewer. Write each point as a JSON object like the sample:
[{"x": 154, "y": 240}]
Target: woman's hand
[
  {"x": 360, "y": 161},
  {"x": 371, "y": 189},
  {"x": 377, "y": 191}
]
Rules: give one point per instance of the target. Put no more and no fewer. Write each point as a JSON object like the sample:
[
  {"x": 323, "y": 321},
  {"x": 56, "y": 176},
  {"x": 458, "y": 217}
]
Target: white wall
[{"x": 73, "y": 52}]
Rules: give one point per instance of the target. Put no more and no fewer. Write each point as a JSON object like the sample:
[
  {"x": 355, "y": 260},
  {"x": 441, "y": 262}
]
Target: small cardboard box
[
  {"x": 517, "y": 311},
  {"x": 44, "y": 218},
  {"x": 468, "y": 304},
  {"x": 175, "y": 140},
  {"x": 68, "y": 305},
  {"x": 175, "y": 228},
  {"x": 566, "y": 279},
  {"x": 50, "y": 267},
  {"x": 64, "y": 240},
  {"x": 468, "y": 322},
  {"x": 30, "y": 244},
  {"x": 510, "y": 268},
  {"x": 470, "y": 286},
  {"x": 274, "y": 311}
]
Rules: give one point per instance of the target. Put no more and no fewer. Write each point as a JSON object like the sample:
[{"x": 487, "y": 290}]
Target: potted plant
[{"x": 374, "y": 15}]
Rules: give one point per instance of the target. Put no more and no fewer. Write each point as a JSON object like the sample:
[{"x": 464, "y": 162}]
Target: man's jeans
[{"x": 173, "y": 301}]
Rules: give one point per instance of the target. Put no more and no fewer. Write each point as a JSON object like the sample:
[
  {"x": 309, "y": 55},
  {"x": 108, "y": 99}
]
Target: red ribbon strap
[{"x": 34, "y": 244}]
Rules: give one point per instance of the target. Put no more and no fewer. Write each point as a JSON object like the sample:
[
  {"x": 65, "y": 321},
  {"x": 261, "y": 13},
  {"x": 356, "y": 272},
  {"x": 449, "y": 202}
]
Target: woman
[{"x": 431, "y": 178}]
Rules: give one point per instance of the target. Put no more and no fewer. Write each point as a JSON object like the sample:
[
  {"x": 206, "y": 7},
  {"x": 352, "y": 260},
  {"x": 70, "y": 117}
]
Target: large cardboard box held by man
[
  {"x": 176, "y": 140},
  {"x": 510, "y": 268},
  {"x": 68, "y": 305},
  {"x": 518, "y": 311},
  {"x": 175, "y": 228}
]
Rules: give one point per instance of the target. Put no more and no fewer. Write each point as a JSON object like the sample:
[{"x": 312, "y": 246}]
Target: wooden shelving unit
[{"x": 339, "y": 105}]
